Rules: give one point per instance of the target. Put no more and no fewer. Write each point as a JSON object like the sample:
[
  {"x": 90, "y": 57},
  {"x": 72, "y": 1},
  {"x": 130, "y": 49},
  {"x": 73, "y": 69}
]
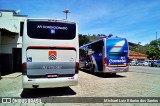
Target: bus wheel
[
  {"x": 92, "y": 69},
  {"x": 113, "y": 74}
]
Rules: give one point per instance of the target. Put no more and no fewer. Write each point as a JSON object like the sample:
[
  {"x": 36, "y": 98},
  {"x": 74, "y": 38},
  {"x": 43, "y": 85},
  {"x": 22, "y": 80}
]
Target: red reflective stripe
[
  {"x": 50, "y": 47},
  {"x": 24, "y": 68},
  {"x": 117, "y": 46},
  {"x": 127, "y": 61},
  {"x": 37, "y": 47}
]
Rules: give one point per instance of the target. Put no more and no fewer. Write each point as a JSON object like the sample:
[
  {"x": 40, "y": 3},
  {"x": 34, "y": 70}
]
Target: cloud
[{"x": 136, "y": 21}]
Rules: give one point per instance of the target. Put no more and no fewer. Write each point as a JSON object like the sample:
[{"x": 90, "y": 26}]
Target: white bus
[{"x": 50, "y": 53}]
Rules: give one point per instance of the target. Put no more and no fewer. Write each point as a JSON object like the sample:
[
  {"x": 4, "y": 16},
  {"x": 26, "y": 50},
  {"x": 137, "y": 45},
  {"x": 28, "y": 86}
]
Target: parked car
[
  {"x": 147, "y": 63},
  {"x": 140, "y": 63},
  {"x": 133, "y": 63},
  {"x": 156, "y": 63}
]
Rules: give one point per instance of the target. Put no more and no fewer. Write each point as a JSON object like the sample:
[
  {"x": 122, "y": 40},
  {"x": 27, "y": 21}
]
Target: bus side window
[
  {"x": 90, "y": 50},
  {"x": 97, "y": 47}
]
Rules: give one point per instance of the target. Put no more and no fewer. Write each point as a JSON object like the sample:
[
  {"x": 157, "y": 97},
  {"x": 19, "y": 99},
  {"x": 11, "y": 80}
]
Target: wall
[{"x": 10, "y": 22}]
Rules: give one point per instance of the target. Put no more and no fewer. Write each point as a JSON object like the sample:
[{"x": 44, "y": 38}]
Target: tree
[
  {"x": 83, "y": 39},
  {"x": 99, "y": 35},
  {"x": 110, "y": 35},
  {"x": 153, "y": 49}
]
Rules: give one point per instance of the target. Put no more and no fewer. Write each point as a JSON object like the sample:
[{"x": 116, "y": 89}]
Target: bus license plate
[{"x": 52, "y": 76}]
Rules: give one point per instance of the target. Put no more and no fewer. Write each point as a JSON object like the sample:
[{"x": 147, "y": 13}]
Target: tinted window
[
  {"x": 98, "y": 46},
  {"x": 51, "y": 30},
  {"x": 117, "y": 54}
]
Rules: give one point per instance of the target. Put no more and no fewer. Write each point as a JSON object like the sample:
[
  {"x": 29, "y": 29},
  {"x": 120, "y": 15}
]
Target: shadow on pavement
[
  {"x": 46, "y": 92},
  {"x": 108, "y": 75},
  {"x": 103, "y": 75}
]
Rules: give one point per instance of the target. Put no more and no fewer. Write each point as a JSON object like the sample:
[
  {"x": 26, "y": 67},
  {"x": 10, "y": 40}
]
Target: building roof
[
  {"x": 14, "y": 13},
  {"x": 136, "y": 55},
  {"x": 3, "y": 30},
  {"x": 9, "y": 11}
]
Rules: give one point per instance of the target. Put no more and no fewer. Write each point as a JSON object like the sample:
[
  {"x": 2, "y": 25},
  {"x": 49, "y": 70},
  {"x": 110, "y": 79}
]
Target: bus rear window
[{"x": 51, "y": 30}]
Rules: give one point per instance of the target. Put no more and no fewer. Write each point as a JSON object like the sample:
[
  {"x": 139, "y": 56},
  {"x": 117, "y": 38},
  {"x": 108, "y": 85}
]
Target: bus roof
[
  {"x": 116, "y": 38},
  {"x": 91, "y": 43},
  {"x": 101, "y": 40},
  {"x": 51, "y": 20}
]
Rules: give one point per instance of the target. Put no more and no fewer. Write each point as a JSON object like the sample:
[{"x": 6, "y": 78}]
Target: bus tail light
[
  {"x": 24, "y": 69},
  {"x": 127, "y": 61},
  {"x": 77, "y": 68},
  {"x": 105, "y": 61}
]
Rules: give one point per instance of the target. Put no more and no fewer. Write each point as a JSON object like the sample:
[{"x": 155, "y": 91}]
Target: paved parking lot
[{"x": 129, "y": 84}]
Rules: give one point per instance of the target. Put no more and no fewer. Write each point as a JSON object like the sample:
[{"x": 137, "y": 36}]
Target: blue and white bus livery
[{"x": 107, "y": 55}]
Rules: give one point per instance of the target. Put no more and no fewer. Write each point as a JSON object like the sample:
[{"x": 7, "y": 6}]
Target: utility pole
[
  {"x": 157, "y": 41},
  {"x": 156, "y": 36},
  {"x": 66, "y": 11}
]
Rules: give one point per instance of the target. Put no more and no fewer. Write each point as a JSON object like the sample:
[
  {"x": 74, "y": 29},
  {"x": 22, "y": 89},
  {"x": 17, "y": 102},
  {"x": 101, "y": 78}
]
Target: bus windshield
[{"x": 51, "y": 30}]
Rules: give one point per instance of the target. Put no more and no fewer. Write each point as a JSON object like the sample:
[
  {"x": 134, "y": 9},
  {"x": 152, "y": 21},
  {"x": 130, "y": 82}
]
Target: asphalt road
[
  {"x": 135, "y": 83},
  {"x": 145, "y": 69}
]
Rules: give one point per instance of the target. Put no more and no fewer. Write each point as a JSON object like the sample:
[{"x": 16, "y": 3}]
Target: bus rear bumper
[
  {"x": 49, "y": 82},
  {"x": 116, "y": 69}
]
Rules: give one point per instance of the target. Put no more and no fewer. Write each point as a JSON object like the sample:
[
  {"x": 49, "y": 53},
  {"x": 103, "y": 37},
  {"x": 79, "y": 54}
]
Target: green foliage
[
  {"x": 153, "y": 49},
  {"x": 93, "y": 38},
  {"x": 137, "y": 48},
  {"x": 83, "y": 39},
  {"x": 82, "y": 52}
]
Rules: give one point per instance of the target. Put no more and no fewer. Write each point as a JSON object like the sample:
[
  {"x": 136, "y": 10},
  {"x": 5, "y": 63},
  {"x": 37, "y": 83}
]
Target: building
[
  {"x": 136, "y": 56},
  {"x": 10, "y": 41}
]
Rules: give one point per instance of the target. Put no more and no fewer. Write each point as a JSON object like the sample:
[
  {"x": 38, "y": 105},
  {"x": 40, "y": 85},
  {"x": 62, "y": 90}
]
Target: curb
[{"x": 13, "y": 75}]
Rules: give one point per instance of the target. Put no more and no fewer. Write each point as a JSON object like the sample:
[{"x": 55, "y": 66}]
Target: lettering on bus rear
[
  {"x": 116, "y": 61},
  {"x": 51, "y": 67}
]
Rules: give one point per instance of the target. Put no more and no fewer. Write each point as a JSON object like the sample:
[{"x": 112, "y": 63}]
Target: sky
[{"x": 136, "y": 20}]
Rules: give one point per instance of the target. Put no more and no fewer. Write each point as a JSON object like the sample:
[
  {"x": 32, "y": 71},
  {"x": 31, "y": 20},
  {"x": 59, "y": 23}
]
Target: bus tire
[
  {"x": 113, "y": 74},
  {"x": 92, "y": 69}
]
